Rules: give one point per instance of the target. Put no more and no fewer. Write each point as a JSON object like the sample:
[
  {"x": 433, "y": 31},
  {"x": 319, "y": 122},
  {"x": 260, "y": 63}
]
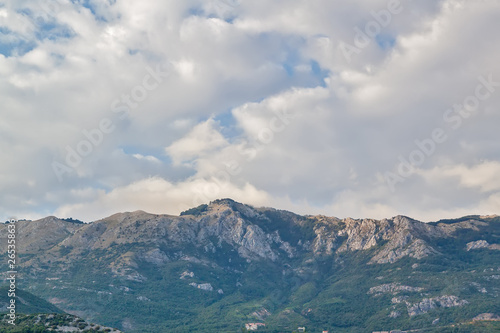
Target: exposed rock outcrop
[
  {"x": 202, "y": 286},
  {"x": 393, "y": 288},
  {"x": 428, "y": 304},
  {"x": 481, "y": 244},
  {"x": 487, "y": 317}
]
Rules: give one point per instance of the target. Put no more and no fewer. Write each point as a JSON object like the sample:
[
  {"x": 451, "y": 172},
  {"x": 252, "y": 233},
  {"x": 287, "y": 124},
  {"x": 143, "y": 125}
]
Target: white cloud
[
  {"x": 148, "y": 158},
  {"x": 202, "y": 140},
  {"x": 157, "y": 196},
  {"x": 244, "y": 66},
  {"x": 483, "y": 176}
]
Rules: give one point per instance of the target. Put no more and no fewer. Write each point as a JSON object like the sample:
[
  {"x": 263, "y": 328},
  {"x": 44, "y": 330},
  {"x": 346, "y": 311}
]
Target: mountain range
[{"x": 218, "y": 267}]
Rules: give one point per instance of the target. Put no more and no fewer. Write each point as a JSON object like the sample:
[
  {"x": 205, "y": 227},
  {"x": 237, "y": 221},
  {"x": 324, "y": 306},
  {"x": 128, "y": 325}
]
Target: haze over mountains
[{"x": 219, "y": 266}]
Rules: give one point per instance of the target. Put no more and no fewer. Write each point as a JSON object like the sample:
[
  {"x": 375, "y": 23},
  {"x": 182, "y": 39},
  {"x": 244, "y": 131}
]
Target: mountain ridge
[{"x": 262, "y": 263}]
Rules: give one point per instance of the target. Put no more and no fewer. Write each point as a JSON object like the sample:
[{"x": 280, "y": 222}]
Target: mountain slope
[
  {"x": 219, "y": 266},
  {"x": 34, "y": 314},
  {"x": 26, "y": 302},
  {"x": 51, "y": 322}
]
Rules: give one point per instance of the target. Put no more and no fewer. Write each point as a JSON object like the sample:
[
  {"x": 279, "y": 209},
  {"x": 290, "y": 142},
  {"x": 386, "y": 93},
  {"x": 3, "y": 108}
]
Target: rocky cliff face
[
  {"x": 248, "y": 233},
  {"x": 428, "y": 304},
  {"x": 254, "y": 233}
]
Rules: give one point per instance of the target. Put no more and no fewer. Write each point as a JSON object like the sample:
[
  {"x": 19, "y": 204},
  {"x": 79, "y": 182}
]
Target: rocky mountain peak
[
  {"x": 255, "y": 233},
  {"x": 223, "y": 202}
]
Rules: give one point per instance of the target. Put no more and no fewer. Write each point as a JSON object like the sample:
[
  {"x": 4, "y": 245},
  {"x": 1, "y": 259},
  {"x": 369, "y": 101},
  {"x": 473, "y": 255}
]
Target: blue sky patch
[
  {"x": 53, "y": 31},
  {"x": 228, "y": 124},
  {"x": 319, "y": 72},
  {"x": 196, "y": 12},
  {"x": 89, "y": 4},
  {"x": 12, "y": 45},
  {"x": 385, "y": 42}
]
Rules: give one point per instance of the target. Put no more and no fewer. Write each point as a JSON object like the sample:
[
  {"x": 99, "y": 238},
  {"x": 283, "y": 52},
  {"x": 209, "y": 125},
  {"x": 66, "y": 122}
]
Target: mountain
[
  {"x": 36, "y": 315},
  {"x": 219, "y": 266},
  {"x": 50, "y": 322},
  {"x": 26, "y": 302}
]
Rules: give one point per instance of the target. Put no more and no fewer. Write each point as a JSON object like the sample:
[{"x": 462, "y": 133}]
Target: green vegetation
[
  {"x": 72, "y": 220},
  {"x": 44, "y": 323},
  {"x": 476, "y": 327},
  {"x": 334, "y": 297},
  {"x": 196, "y": 211},
  {"x": 27, "y": 302},
  {"x": 120, "y": 287}
]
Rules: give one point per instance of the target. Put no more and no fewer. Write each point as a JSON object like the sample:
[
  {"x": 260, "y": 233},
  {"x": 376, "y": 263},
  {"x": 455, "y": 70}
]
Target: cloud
[
  {"x": 148, "y": 158},
  {"x": 482, "y": 176},
  {"x": 156, "y": 195},
  {"x": 257, "y": 97},
  {"x": 202, "y": 140}
]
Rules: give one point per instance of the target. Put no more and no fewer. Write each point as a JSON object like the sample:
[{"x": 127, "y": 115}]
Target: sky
[{"x": 346, "y": 108}]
